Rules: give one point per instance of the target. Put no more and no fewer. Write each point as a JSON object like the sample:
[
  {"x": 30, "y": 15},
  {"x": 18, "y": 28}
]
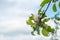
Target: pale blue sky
[{"x": 13, "y": 16}]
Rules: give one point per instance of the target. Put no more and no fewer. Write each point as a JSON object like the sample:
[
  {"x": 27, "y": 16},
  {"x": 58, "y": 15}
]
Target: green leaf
[
  {"x": 46, "y": 19},
  {"x": 48, "y": 28},
  {"x": 39, "y": 11},
  {"x": 44, "y": 2},
  {"x": 57, "y": 18},
  {"x": 45, "y": 32},
  {"x": 29, "y": 22},
  {"x": 54, "y": 0},
  {"x": 31, "y": 17},
  {"x": 54, "y": 8},
  {"x": 33, "y": 26},
  {"x": 59, "y": 4},
  {"x": 52, "y": 30}
]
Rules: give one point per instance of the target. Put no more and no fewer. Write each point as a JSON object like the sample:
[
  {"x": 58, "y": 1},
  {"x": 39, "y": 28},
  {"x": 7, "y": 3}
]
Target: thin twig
[{"x": 48, "y": 6}]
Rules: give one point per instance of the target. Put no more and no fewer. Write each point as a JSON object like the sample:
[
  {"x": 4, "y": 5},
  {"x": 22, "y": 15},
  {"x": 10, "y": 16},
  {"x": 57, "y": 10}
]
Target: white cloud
[
  {"x": 15, "y": 11},
  {"x": 19, "y": 7},
  {"x": 26, "y": 2},
  {"x": 20, "y": 3},
  {"x": 22, "y": 37},
  {"x": 13, "y": 24}
]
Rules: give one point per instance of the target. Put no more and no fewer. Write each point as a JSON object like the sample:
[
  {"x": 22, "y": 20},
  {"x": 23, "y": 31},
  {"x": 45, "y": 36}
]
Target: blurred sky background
[{"x": 13, "y": 16}]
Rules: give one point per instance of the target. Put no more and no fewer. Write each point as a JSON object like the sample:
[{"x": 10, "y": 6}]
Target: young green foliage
[
  {"x": 54, "y": 0},
  {"x": 45, "y": 32},
  {"x": 59, "y": 4},
  {"x": 41, "y": 22},
  {"x": 44, "y": 3},
  {"x": 57, "y": 18},
  {"x": 46, "y": 19},
  {"x": 54, "y": 8},
  {"x": 37, "y": 25}
]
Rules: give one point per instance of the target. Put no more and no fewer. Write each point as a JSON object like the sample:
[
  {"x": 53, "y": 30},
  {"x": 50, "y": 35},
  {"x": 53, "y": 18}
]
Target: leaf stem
[{"x": 48, "y": 6}]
